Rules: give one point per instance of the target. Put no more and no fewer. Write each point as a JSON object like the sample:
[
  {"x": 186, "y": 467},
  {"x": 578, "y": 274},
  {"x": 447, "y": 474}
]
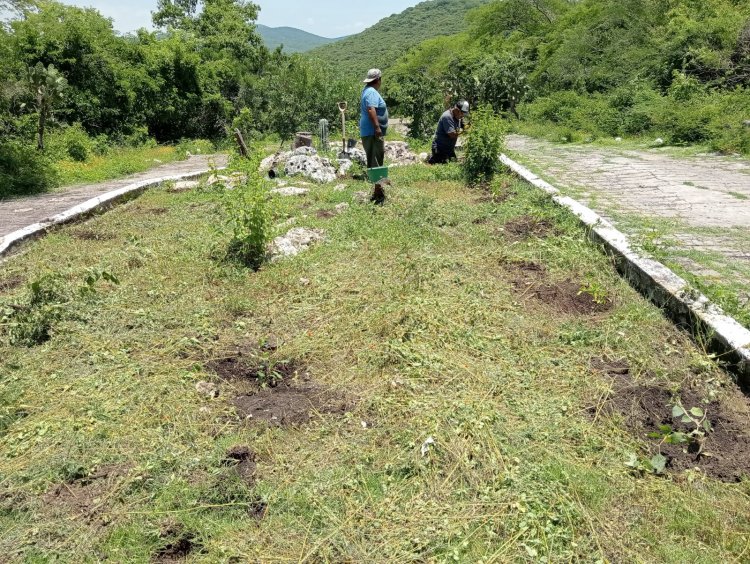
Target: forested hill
[
  {"x": 294, "y": 40},
  {"x": 383, "y": 43}
]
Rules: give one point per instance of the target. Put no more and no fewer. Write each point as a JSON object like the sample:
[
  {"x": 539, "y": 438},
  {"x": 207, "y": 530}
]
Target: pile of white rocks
[
  {"x": 306, "y": 161},
  {"x": 398, "y": 153}
]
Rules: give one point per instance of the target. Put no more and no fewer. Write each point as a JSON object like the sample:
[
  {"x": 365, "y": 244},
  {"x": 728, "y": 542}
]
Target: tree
[
  {"x": 503, "y": 82},
  {"x": 47, "y": 86}
]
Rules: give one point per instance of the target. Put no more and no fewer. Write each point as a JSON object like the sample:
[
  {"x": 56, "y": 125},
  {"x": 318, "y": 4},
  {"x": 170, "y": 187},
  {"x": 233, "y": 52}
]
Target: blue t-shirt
[{"x": 371, "y": 98}]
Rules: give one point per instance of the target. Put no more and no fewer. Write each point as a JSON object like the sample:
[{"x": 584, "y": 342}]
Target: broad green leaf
[
  {"x": 677, "y": 411},
  {"x": 659, "y": 463},
  {"x": 686, "y": 419},
  {"x": 697, "y": 412}
]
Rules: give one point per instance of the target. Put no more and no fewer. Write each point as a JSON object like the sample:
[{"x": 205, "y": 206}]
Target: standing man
[
  {"x": 373, "y": 121},
  {"x": 446, "y": 135}
]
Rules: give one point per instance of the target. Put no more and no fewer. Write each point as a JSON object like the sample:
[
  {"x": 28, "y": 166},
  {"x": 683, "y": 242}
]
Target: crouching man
[{"x": 446, "y": 135}]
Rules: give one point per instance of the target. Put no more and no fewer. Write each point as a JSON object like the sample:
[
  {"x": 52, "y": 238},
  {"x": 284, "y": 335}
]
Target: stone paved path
[
  {"x": 701, "y": 202},
  {"x": 20, "y": 212},
  {"x": 701, "y": 191}
]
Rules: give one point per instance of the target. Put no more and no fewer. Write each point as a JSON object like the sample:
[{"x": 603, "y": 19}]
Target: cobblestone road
[{"x": 20, "y": 212}]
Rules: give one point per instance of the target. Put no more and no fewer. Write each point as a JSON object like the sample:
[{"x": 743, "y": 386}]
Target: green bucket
[{"x": 377, "y": 173}]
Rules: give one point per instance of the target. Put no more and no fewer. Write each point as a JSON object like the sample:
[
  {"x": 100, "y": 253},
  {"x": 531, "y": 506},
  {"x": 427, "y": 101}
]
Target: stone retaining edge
[
  {"x": 13, "y": 240},
  {"x": 688, "y": 308}
]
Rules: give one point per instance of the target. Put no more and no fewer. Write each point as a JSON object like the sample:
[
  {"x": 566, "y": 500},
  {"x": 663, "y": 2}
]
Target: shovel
[{"x": 342, "y": 109}]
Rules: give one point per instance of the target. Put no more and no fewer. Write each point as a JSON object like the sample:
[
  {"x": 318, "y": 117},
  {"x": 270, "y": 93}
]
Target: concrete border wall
[
  {"x": 11, "y": 242},
  {"x": 688, "y": 308}
]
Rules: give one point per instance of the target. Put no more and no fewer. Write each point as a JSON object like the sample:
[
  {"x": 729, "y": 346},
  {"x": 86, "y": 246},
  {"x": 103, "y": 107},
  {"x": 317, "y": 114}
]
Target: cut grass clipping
[{"x": 454, "y": 376}]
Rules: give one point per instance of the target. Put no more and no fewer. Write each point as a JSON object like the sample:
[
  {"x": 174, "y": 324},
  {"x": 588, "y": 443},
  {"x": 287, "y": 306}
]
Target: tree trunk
[{"x": 40, "y": 129}]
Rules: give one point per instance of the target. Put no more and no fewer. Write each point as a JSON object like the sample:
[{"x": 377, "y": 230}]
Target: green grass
[{"x": 411, "y": 310}]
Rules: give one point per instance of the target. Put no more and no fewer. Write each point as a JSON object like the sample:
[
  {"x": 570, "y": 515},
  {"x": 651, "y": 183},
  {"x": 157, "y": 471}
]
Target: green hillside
[
  {"x": 380, "y": 45},
  {"x": 578, "y": 70},
  {"x": 294, "y": 40}
]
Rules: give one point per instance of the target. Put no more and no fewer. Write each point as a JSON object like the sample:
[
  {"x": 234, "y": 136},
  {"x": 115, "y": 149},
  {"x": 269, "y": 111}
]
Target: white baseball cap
[
  {"x": 463, "y": 105},
  {"x": 373, "y": 75}
]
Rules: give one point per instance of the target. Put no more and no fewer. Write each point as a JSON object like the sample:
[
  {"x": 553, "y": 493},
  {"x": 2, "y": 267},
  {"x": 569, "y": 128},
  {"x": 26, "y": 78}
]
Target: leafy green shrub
[
  {"x": 139, "y": 137},
  {"x": 482, "y": 149},
  {"x": 24, "y": 170},
  {"x": 101, "y": 146},
  {"x": 245, "y": 123},
  {"x": 70, "y": 143},
  {"x": 247, "y": 217}
]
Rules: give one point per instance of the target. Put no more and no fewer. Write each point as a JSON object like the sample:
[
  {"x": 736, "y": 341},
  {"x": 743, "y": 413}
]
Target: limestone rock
[
  {"x": 184, "y": 185},
  {"x": 207, "y": 389},
  {"x": 289, "y": 191},
  {"x": 311, "y": 166},
  {"x": 398, "y": 153},
  {"x": 294, "y": 242}
]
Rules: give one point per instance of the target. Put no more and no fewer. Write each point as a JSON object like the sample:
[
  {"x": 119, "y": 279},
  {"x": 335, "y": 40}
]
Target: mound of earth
[
  {"x": 276, "y": 394},
  {"x": 646, "y": 410},
  {"x": 567, "y": 296},
  {"x": 525, "y": 226}
]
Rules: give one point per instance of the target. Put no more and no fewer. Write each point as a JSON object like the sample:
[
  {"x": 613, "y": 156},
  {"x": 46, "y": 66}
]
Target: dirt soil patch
[
  {"x": 87, "y": 497},
  {"x": 325, "y": 214},
  {"x": 180, "y": 544},
  {"x": 275, "y": 393},
  {"x": 10, "y": 283},
  {"x": 567, "y": 297},
  {"x": 289, "y": 403},
  {"x": 525, "y": 226},
  {"x": 242, "y": 459},
  {"x": 90, "y": 235},
  {"x": 530, "y": 280},
  {"x": 647, "y": 407}
]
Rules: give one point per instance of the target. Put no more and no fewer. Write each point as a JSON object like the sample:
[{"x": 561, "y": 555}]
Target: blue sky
[{"x": 329, "y": 18}]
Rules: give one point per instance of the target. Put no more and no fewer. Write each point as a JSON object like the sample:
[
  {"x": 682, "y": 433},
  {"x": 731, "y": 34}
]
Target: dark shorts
[
  {"x": 441, "y": 155},
  {"x": 375, "y": 151}
]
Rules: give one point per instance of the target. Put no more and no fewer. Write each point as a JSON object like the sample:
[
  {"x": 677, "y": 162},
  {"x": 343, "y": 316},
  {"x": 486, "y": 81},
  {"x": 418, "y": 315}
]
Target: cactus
[{"x": 323, "y": 135}]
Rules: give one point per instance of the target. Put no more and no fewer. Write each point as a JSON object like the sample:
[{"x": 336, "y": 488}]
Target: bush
[
  {"x": 69, "y": 143},
  {"x": 245, "y": 123},
  {"x": 24, "y": 170},
  {"x": 483, "y": 146},
  {"x": 247, "y": 217}
]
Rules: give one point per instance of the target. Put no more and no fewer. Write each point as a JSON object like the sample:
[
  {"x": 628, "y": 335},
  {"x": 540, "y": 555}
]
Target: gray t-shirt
[{"x": 446, "y": 125}]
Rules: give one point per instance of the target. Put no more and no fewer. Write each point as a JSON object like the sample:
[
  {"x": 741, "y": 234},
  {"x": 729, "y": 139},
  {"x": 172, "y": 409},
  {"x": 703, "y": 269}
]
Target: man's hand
[{"x": 379, "y": 133}]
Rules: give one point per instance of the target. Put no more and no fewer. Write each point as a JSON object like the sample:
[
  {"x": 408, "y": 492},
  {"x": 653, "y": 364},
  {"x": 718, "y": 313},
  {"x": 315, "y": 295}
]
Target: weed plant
[
  {"x": 247, "y": 216},
  {"x": 483, "y": 146}
]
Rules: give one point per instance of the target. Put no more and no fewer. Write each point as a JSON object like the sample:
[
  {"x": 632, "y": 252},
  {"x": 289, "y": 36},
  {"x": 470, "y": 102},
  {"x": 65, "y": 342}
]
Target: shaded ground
[
  {"x": 692, "y": 212},
  {"x": 20, "y": 212}
]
